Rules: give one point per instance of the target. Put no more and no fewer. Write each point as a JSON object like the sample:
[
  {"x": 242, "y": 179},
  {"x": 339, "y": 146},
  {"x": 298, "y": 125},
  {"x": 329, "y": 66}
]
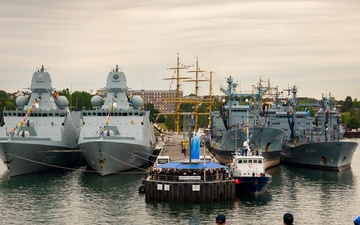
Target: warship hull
[
  {"x": 268, "y": 141},
  {"x": 335, "y": 156},
  {"x": 108, "y": 156},
  {"x": 35, "y": 156}
]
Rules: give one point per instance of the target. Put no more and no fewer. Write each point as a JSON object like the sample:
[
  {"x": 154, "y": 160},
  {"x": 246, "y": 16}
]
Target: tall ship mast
[
  {"x": 196, "y": 101},
  {"x": 178, "y": 96}
]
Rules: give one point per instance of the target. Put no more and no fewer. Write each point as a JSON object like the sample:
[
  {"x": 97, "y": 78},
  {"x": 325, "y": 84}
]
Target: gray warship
[
  {"x": 308, "y": 143},
  {"x": 116, "y": 134},
  {"x": 232, "y": 122},
  {"x": 40, "y": 134}
]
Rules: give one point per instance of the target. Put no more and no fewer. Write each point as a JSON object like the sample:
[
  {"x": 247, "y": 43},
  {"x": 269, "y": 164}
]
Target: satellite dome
[
  {"x": 21, "y": 101},
  {"x": 61, "y": 102},
  {"x": 96, "y": 101},
  {"x": 137, "y": 101}
]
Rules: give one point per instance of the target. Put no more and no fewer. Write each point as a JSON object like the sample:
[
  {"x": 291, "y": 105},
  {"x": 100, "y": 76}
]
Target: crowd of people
[{"x": 174, "y": 174}]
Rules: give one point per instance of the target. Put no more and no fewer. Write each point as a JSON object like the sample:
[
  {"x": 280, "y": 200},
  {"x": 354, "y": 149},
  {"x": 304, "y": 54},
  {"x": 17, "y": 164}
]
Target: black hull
[{"x": 251, "y": 185}]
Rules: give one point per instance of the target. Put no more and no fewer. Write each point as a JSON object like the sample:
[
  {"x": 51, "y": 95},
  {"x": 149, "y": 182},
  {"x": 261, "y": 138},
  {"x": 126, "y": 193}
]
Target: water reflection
[{"x": 249, "y": 200}]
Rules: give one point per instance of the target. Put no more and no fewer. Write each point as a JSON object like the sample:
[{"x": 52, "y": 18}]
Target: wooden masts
[
  {"x": 178, "y": 97},
  {"x": 196, "y": 101},
  {"x": 197, "y": 80}
]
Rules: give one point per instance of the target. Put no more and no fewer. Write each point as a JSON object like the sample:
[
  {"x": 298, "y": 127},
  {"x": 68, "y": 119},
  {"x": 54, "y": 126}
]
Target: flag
[
  {"x": 56, "y": 94},
  {"x": 195, "y": 146}
]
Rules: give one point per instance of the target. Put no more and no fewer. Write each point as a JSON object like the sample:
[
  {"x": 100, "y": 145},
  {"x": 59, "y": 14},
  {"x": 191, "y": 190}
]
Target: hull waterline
[
  {"x": 24, "y": 158},
  {"x": 323, "y": 155},
  {"x": 109, "y": 157}
]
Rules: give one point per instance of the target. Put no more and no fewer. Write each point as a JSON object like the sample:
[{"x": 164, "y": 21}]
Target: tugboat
[{"x": 247, "y": 170}]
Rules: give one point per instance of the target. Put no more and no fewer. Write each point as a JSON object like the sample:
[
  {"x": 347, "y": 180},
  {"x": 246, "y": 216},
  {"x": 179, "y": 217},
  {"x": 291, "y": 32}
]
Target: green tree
[
  {"x": 66, "y": 93},
  {"x": 161, "y": 119},
  {"x": 345, "y": 118},
  {"x": 79, "y": 100},
  {"x": 153, "y": 111},
  {"x": 3, "y": 99},
  {"x": 354, "y": 119},
  {"x": 6, "y": 101},
  {"x": 346, "y": 105},
  {"x": 170, "y": 122}
]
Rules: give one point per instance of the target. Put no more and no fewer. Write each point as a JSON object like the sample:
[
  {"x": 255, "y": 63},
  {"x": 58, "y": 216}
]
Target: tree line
[{"x": 78, "y": 100}]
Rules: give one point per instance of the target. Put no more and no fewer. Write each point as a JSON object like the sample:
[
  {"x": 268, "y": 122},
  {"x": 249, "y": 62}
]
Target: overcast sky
[{"x": 313, "y": 44}]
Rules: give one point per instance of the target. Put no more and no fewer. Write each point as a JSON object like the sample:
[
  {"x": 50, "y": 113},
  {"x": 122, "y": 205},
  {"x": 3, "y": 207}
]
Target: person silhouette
[
  {"x": 288, "y": 219},
  {"x": 220, "y": 219}
]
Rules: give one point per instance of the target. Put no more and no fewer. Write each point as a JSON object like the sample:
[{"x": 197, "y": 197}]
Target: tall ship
[
  {"x": 116, "y": 134},
  {"x": 315, "y": 142},
  {"x": 231, "y": 123},
  {"x": 40, "y": 134}
]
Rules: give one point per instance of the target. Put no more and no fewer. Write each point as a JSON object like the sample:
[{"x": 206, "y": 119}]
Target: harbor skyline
[{"x": 313, "y": 45}]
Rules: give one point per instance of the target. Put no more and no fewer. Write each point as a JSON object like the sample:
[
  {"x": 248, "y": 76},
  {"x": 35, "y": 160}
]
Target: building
[{"x": 163, "y": 100}]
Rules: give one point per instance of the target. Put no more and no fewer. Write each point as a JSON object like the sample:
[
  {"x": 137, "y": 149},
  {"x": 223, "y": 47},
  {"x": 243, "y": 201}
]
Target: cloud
[{"x": 311, "y": 43}]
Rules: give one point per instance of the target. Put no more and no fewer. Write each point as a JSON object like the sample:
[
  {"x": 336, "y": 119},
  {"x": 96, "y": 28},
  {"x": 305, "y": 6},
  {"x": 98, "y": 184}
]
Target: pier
[{"x": 185, "y": 181}]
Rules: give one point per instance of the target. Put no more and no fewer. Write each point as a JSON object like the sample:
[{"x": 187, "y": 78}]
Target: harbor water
[{"x": 75, "y": 197}]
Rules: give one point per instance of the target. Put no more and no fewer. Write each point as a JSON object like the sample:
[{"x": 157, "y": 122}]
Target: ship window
[
  {"x": 259, "y": 161},
  {"x": 56, "y": 114},
  {"x": 130, "y": 114},
  {"x": 104, "y": 114},
  {"x": 99, "y": 113},
  {"x": 125, "y": 114},
  {"x": 255, "y": 161},
  {"x": 51, "y": 114},
  {"x": 62, "y": 115},
  {"x": 84, "y": 114},
  {"x": 45, "y": 115},
  {"x": 94, "y": 113},
  {"x": 240, "y": 161},
  {"x": 245, "y": 160},
  {"x": 136, "y": 114},
  {"x": 250, "y": 160}
]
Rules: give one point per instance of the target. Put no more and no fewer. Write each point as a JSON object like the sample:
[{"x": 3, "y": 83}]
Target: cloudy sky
[{"x": 313, "y": 44}]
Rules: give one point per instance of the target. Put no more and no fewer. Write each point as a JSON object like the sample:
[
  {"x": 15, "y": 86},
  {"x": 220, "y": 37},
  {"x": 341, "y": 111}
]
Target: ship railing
[{"x": 188, "y": 178}]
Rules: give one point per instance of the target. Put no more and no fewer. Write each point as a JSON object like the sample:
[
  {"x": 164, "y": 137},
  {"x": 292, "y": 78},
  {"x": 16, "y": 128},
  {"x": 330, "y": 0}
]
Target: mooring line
[{"x": 69, "y": 168}]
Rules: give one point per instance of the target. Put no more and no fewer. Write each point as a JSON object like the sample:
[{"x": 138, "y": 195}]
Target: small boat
[{"x": 247, "y": 170}]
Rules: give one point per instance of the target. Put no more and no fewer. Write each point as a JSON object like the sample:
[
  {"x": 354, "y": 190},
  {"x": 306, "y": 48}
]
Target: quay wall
[{"x": 194, "y": 192}]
